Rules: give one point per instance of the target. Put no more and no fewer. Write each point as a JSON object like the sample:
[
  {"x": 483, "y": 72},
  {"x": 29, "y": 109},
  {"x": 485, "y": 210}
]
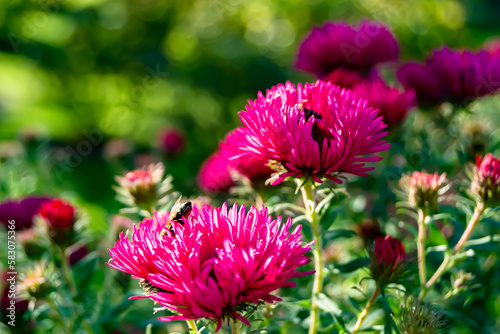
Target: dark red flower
[
  {"x": 389, "y": 251},
  {"x": 21, "y": 211},
  {"x": 59, "y": 214},
  {"x": 388, "y": 261}
]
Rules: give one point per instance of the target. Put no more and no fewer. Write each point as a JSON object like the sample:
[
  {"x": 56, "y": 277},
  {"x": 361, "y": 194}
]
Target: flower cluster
[
  {"x": 486, "y": 182},
  {"x": 346, "y": 50},
  {"x": 424, "y": 190},
  {"x": 219, "y": 262},
  {"x": 313, "y": 130},
  {"x": 454, "y": 76}
]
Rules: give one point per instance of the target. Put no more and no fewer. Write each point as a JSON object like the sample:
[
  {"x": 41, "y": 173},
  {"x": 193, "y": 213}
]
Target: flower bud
[
  {"x": 59, "y": 219},
  {"x": 424, "y": 191},
  {"x": 32, "y": 244},
  {"x": 171, "y": 141},
  {"x": 486, "y": 180},
  {"x": 143, "y": 188},
  {"x": 388, "y": 260},
  {"x": 419, "y": 318},
  {"x": 36, "y": 281}
]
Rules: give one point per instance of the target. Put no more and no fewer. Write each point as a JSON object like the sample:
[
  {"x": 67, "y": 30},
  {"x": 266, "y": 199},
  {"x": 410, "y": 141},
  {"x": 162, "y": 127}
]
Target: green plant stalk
[
  {"x": 192, "y": 325},
  {"x": 449, "y": 260},
  {"x": 308, "y": 196},
  {"x": 367, "y": 308},
  {"x": 421, "y": 247},
  {"x": 63, "y": 320},
  {"x": 68, "y": 274},
  {"x": 235, "y": 328}
]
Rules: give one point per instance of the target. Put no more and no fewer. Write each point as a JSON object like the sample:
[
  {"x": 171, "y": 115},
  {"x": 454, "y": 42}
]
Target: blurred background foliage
[{"x": 86, "y": 85}]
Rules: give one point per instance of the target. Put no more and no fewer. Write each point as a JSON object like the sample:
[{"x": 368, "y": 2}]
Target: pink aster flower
[
  {"x": 454, "y": 76},
  {"x": 316, "y": 130},
  {"x": 253, "y": 167},
  {"x": 214, "y": 176},
  {"x": 340, "y": 45},
  {"x": 486, "y": 180},
  {"x": 219, "y": 262},
  {"x": 392, "y": 104}
]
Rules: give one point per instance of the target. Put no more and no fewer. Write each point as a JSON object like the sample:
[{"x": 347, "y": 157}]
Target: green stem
[
  {"x": 192, "y": 325},
  {"x": 367, "y": 308},
  {"x": 476, "y": 217},
  {"x": 308, "y": 196},
  {"x": 421, "y": 247},
  {"x": 68, "y": 274},
  {"x": 60, "y": 315},
  {"x": 449, "y": 260},
  {"x": 235, "y": 328}
]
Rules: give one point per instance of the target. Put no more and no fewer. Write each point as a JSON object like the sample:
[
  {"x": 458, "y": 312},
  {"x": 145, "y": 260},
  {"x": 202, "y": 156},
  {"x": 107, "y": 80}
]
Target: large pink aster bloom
[
  {"x": 214, "y": 176},
  {"x": 450, "y": 75},
  {"x": 219, "y": 262},
  {"x": 253, "y": 167},
  {"x": 317, "y": 130},
  {"x": 340, "y": 45},
  {"x": 392, "y": 104}
]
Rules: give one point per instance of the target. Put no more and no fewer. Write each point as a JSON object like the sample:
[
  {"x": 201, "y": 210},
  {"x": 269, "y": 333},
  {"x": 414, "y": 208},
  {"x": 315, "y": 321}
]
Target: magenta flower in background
[
  {"x": 22, "y": 211},
  {"x": 218, "y": 263},
  {"x": 451, "y": 75},
  {"x": 392, "y": 104},
  {"x": 214, "y": 176},
  {"x": 493, "y": 47},
  {"x": 316, "y": 130},
  {"x": 340, "y": 45},
  {"x": 349, "y": 78},
  {"x": 253, "y": 167},
  {"x": 171, "y": 141}
]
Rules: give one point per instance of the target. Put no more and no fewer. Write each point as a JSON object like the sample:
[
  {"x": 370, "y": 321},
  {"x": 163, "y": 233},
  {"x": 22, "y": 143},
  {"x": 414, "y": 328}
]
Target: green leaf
[
  {"x": 352, "y": 265},
  {"x": 327, "y": 304},
  {"x": 339, "y": 233}
]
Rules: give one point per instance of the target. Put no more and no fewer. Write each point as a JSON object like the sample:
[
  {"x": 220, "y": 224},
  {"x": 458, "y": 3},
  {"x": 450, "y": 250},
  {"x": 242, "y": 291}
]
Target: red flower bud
[
  {"x": 59, "y": 214},
  {"x": 388, "y": 260},
  {"x": 59, "y": 217},
  {"x": 171, "y": 141},
  {"x": 486, "y": 181},
  {"x": 389, "y": 251}
]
